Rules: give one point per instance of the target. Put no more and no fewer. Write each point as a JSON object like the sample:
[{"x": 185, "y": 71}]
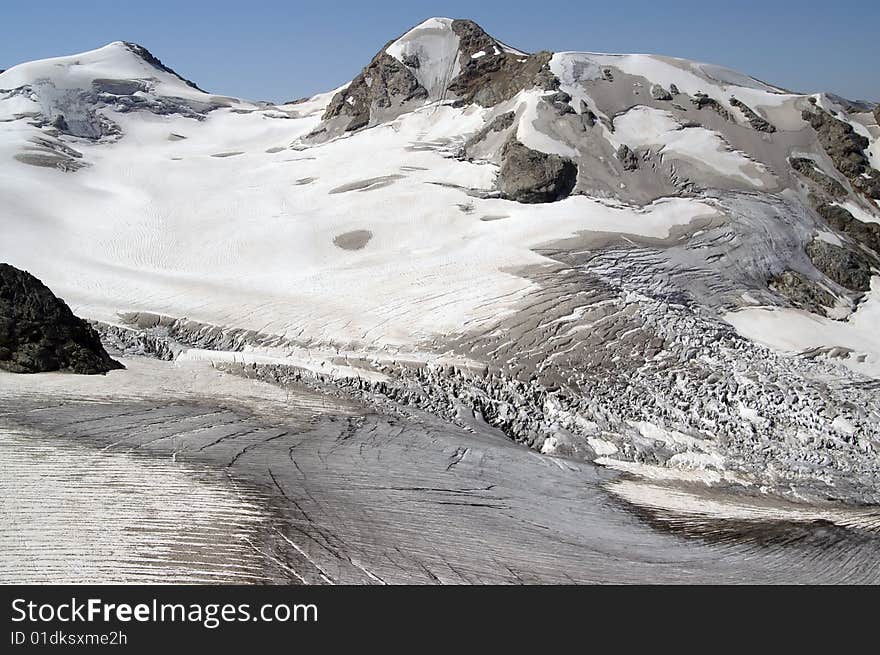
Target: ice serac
[{"x": 39, "y": 333}]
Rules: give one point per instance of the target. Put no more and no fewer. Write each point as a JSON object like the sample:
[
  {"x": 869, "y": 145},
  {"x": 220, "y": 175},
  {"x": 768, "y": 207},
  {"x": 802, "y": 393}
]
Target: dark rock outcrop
[
  {"x": 627, "y": 157},
  {"x": 802, "y": 292},
  {"x": 867, "y": 234},
  {"x": 757, "y": 123},
  {"x": 490, "y": 80},
  {"x": 807, "y": 167},
  {"x": 38, "y": 332},
  {"x": 561, "y": 102},
  {"x": 659, "y": 93},
  {"x": 587, "y": 116},
  {"x": 499, "y": 74},
  {"x": 154, "y": 61},
  {"x": 846, "y": 148},
  {"x": 530, "y": 176},
  {"x": 847, "y": 267},
  {"x": 702, "y": 101},
  {"x": 383, "y": 84}
]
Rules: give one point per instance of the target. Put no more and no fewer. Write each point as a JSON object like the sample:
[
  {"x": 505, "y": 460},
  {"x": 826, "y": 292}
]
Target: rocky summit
[
  {"x": 39, "y": 333},
  {"x": 650, "y": 263}
]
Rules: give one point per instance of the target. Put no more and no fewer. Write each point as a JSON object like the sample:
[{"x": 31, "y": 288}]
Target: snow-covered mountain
[{"x": 634, "y": 259}]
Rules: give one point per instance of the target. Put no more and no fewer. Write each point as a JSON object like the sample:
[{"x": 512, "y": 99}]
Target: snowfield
[{"x": 219, "y": 227}]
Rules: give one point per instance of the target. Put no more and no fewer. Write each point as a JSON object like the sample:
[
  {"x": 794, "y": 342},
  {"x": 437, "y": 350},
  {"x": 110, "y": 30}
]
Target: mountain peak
[
  {"x": 118, "y": 60},
  {"x": 147, "y": 56},
  {"x": 438, "y": 60}
]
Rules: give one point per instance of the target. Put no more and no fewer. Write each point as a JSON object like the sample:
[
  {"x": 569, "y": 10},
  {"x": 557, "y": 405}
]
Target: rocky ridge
[{"x": 39, "y": 333}]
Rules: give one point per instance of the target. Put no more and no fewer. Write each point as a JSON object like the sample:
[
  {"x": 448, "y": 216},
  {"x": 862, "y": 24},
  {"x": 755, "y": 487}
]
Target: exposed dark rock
[
  {"x": 561, "y": 102},
  {"x": 383, "y": 84},
  {"x": 659, "y": 93},
  {"x": 807, "y": 168},
  {"x": 850, "y": 106},
  {"x": 757, "y": 122},
  {"x": 530, "y": 176},
  {"x": 494, "y": 78},
  {"x": 154, "y": 61},
  {"x": 607, "y": 75},
  {"x": 674, "y": 90},
  {"x": 59, "y": 123},
  {"x": 867, "y": 234},
  {"x": 497, "y": 124},
  {"x": 877, "y": 113},
  {"x": 701, "y": 101},
  {"x": 846, "y": 148},
  {"x": 849, "y": 268},
  {"x": 472, "y": 38},
  {"x": 489, "y": 80},
  {"x": 802, "y": 292},
  {"x": 627, "y": 157},
  {"x": 38, "y": 332},
  {"x": 588, "y": 118}
]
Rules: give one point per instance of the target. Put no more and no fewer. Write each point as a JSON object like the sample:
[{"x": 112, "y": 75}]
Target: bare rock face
[
  {"x": 659, "y": 93},
  {"x": 494, "y": 78},
  {"x": 802, "y": 292},
  {"x": 38, "y": 332},
  {"x": 846, "y": 148},
  {"x": 702, "y": 101},
  {"x": 849, "y": 268},
  {"x": 627, "y": 157},
  {"x": 530, "y": 176},
  {"x": 384, "y": 84},
  {"x": 807, "y": 168},
  {"x": 154, "y": 61},
  {"x": 757, "y": 123},
  {"x": 867, "y": 234},
  {"x": 877, "y": 113}
]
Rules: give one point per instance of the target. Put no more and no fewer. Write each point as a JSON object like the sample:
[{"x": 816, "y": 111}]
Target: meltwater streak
[{"x": 74, "y": 514}]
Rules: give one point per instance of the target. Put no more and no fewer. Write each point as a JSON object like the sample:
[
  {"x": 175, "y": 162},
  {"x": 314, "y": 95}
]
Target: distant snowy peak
[
  {"x": 69, "y": 92},
  {"x": 119, "y": 60}
]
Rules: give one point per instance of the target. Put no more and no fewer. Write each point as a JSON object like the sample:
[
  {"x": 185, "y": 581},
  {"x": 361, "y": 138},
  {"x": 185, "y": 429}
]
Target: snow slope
[
  {"x": 115, "y": 61},
  {"x": 248, "y": 239}
]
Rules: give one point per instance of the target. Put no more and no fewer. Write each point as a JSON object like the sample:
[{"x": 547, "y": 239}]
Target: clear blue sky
[{"x": 282, "y": 49}]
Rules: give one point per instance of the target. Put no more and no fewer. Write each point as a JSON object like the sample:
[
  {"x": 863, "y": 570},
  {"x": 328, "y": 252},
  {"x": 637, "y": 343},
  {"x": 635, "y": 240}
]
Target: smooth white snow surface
[
  {"x": 645, "y": 126},
  {"x": 794, "y": 330},
  {"x": 690, "y": 77}
]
